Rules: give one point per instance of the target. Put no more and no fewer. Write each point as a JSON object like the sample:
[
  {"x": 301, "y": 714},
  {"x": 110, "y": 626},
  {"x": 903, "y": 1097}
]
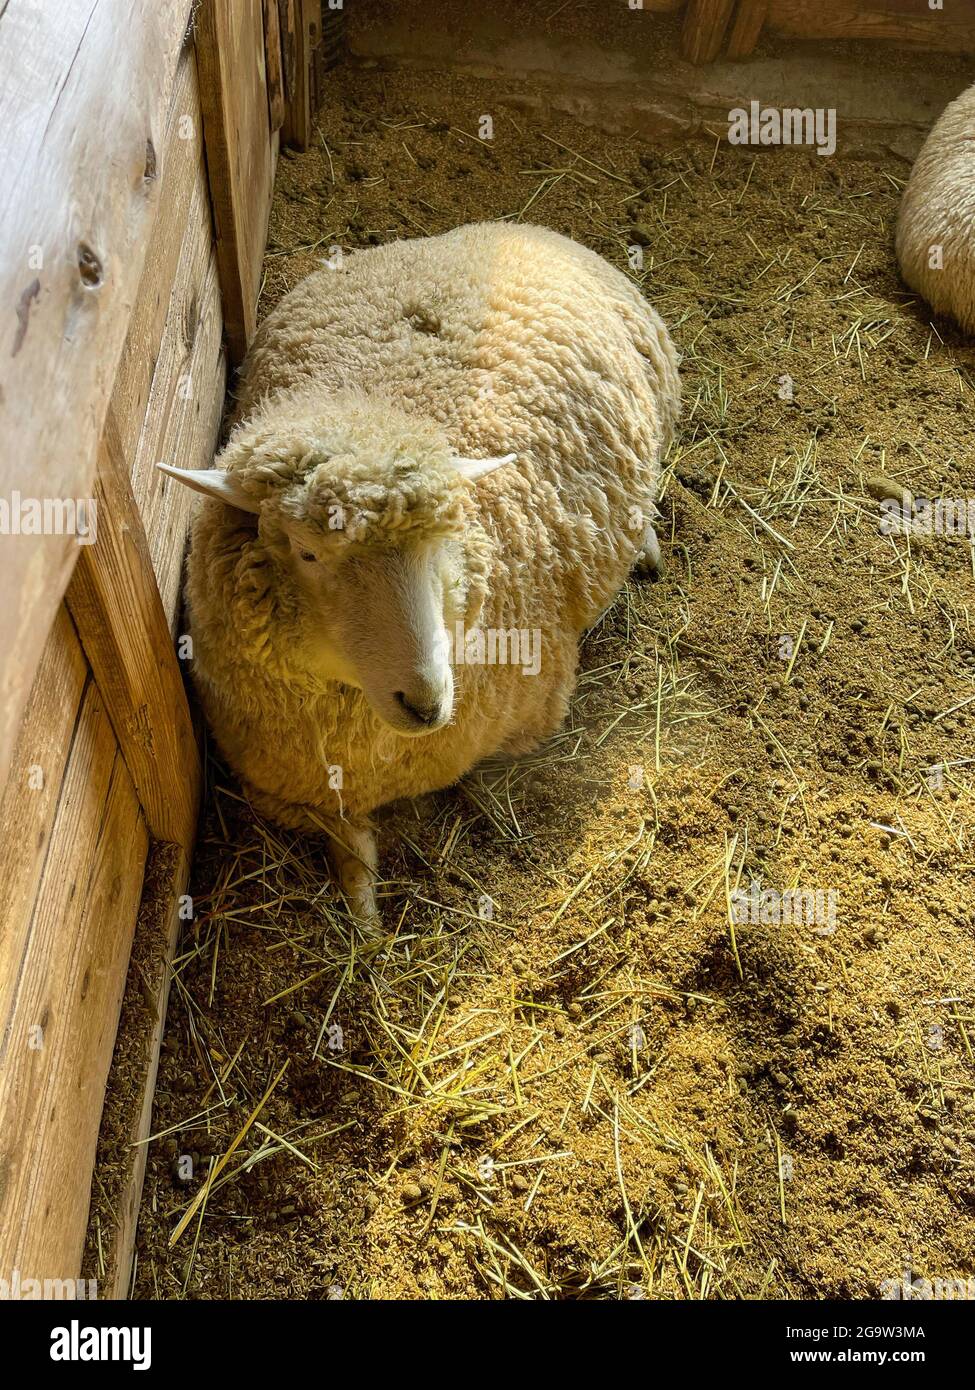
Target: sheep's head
[{"x": 367, "y": 519}]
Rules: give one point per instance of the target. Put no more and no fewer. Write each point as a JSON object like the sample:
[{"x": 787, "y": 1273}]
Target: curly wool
[
  {"x": 938, "y": 210},
  {"x": 359, "y": 389},
  {"x": 374, "y": 476}
]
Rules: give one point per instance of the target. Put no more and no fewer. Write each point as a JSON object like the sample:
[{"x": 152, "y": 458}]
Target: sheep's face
[
  {"x": 368, "y": 518},
  {"x": 378, "y": 618}
]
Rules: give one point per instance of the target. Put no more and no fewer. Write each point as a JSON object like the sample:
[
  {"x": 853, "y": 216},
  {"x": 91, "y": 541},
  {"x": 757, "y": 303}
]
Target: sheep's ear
[
  {"x": 213, "y": 482},
  {"x": 477, "y": 468}
]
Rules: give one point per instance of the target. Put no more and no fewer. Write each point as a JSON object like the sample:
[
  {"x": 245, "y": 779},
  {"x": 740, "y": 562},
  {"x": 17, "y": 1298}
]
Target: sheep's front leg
[
  {"x": 352, "y": 850},
  {"x": 649, "y": 560}
]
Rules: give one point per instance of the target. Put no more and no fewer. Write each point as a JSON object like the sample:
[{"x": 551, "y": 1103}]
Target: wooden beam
[
  {"x": 79, "y": 163},
  {"x": 184, "y": 210},
  {"x": 287, "y": 23},
  {"x": 749, "y": 18},
  {"x": 275, "y": 70},
  {"x": 30, "y": 799},
  {"x": 237, "y": 136},
  {"x": 115, "y": 1209},
  {"x": 705, "y": 22},
  {"x": 183, "y": 432},
  {"x": 950, "y": 29},
  {"x": 124, "y": 631},
  {"x": 297, "y": 129},
  {"x": 168, "y": 394},
  {"x": 60, "y": 1016}
]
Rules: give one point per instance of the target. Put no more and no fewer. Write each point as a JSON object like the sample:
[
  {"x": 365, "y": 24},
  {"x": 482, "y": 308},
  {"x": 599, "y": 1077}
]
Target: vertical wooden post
[
  {"x": 297, "y": 128},
  {"x": 287, "y": 23},
  {"x": 237, "y": 135},
  {"x": 705, "y": 22},
  {"x": 749, "y": 19},
  {"x": 275, "y": 68}
]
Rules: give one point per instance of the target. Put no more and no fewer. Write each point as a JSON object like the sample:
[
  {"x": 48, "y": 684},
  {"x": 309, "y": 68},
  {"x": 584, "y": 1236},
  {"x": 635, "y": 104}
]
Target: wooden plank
[
  {"x": 180, "y": 421},
  {"x": 112, "y": 1232},
  {"x": 78, "y": 166},
  {"x": 186, "y": 430},
  {"x": 275, "y": 72},
  {"x": 172, "y": 388},
  {"x": 948, "y": 30},
  {"x": 312, "y": 11},
  {"x": 168, "y": 395},
  {"x": 184, "y": 207},
  {"x": 748, "y": 22},
  {"x": 30, "y": 799},
  {"x": 298, "y": 127},
  {"x": 287, "y": 23},
  {"x": 705, "y": 22},
  {"x": 319, "y": 61},
  {"x": 124, "y": 631},
  {"x": 59, "y": 1030},
  {"x": 233, "y": 96}
]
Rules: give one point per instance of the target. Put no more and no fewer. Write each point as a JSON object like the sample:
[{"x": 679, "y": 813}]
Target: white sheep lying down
[
  {"x": 439, "y": 444},
  {"x": 936, "y": 223}
]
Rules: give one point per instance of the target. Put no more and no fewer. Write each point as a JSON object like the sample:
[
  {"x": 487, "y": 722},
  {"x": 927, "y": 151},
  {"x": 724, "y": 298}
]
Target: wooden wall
[
  {"x": 79, "y": 164},
  {"x": 948, "y": 29},
  {"x": 138, "y": 156},
  {"x": 169, "y": 388},
  {"x": 105, "y": 759},
  {"x": 71, "y": 881},
  {"x": 731, "y": 28}
]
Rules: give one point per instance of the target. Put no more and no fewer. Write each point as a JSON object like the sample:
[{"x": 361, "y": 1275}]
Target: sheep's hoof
[
  {"x": 359, "y": 891},
  {"x": 649, "y": 563},
  {"x": 352, "y": 852},
  {"x": 370, "y": 925}
]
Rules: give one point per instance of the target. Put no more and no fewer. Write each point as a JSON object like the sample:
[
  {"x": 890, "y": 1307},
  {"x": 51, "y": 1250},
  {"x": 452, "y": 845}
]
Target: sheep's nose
[{"x": 427, "y": 712}]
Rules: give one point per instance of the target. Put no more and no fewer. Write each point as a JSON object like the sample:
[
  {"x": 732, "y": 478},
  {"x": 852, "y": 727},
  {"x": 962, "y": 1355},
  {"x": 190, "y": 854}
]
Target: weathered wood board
[
  {"x": 139, "y": 208},
  {"x": 276, "y": 103},
  {"x": 112, "y": 1237},
  {"x": 61, "y": 1001},
  {"x": 30, "y": 802},
  {"x": 304, "y": 31},
  {"x": 78, "y": 165},
  {"x": 183, "y": 218},
  {"x": 168, "y": 395},
  {"x": 124, "y": 631},
  {"x": 233, "y": 96},
  {"x": 705, "y": 23},
  {"x": 950, "y": 28},
  {"x": 750, "y": 16}
]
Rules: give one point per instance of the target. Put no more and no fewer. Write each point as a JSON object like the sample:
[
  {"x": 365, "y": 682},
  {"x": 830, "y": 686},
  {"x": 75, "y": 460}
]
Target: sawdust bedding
[{"x": 600, "y": 1085}]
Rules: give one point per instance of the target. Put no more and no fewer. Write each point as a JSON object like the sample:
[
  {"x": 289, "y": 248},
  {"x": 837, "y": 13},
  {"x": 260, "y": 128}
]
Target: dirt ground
[{"x": 568, "y": 1072}]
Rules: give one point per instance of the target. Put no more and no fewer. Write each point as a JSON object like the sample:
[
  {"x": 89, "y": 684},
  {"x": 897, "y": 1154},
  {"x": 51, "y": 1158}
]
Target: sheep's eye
[{"x": 308, "y": 556}]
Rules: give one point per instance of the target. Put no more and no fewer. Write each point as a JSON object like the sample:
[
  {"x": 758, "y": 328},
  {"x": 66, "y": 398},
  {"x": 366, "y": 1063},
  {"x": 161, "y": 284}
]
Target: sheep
[
  {"x": 445, "y": 450},
  {"x": 936, "y": 223}
]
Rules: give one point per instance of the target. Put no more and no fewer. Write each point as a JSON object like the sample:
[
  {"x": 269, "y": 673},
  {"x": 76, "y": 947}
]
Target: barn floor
[{"x": 604, "y": 1091}]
